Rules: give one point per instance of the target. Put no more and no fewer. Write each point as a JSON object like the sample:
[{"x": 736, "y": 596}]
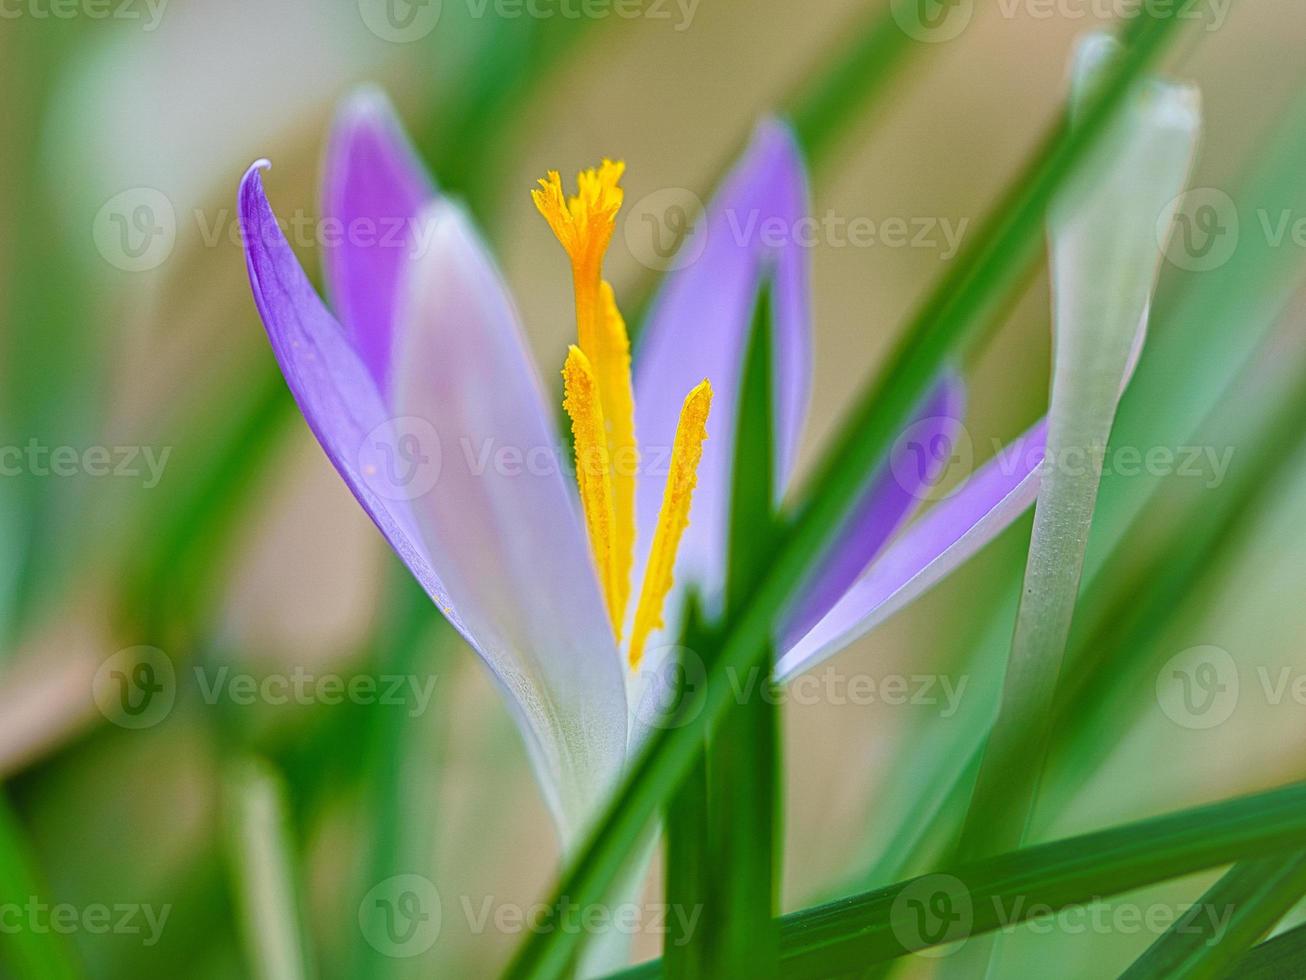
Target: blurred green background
[{"x": 242, "y": 550}]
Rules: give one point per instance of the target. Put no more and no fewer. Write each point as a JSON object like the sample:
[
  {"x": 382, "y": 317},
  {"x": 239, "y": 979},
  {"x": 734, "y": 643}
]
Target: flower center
[{"x": 599, "y": 399}]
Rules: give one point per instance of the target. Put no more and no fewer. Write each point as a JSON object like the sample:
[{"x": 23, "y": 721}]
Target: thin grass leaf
[
  {"x": 396, "y": 845},
  {"x": 1124, "y": 615},
  {"x": 823, "y": 112},
  {"x": 264, "y": 871},
  {"x": 744, "y": 803},
  {"x": 1222, "y": 926},
  {"x": 1205, "y": 331},
  {"x": 852, "y": 934},
  {"x": 1105, "y": 259},
  {"x": 972, "y": 292},
  {"x": 169, "y": 579},
  {"x": 1133, "y": 611},
  {"x": 32, "y": 952},
  {"x": 1280, "y": 958},
  {"x": 51, "y": 388},
  {"x": 689, "y": 864}
]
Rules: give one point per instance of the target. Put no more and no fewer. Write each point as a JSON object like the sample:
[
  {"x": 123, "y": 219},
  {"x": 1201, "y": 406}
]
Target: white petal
[{"x": 502, "y": 523}]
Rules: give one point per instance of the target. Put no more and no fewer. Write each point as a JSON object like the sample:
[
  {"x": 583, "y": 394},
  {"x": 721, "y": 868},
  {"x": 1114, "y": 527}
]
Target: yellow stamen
[
  {"x": 613, "y": 368},
  {"x": 584, "y": 225},
  {"x": 673, "y": 517},
  {"x": 593, "y": 472}
]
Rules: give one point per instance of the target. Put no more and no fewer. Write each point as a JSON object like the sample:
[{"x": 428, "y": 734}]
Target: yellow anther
[
  {"x": 599, "y": 398},
  {"x": 593, "y": 473},
  {"x": 584, "y": 225},
  {"x": 673, "y": 517}
]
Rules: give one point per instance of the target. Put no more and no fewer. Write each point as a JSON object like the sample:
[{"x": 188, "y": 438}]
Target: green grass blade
[
  {"x": 689, "y": 862},
  {"x": 852, "y": 934},
  {"x": 264, "y": 872},
  {"x": 1280, "y": 958},
  {"x": 823, "y": 111},
  {"x": 1234, "y": 913},
  {"x": 33, "y": 951},
  {"x": 744, "y": 804},
  {"x": 971, "y": 293},
  {"x": 689, "y": 878},
  {"x": 398, "y": 743},
  {"x": 170, "y": 576},
  {"x": 1205, "y": 331}
]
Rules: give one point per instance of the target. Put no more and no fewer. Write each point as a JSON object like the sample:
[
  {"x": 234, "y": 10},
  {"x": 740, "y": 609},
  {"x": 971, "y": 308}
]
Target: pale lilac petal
[
  {"x": 333, "y": 388},
  {"x": 374, "y": 189},
  {"x": 502, "y": 523},
  {"x": 929, "y": 550},
  {"x": 919, "y": 460},
  {"x": 698, "y": 329}
]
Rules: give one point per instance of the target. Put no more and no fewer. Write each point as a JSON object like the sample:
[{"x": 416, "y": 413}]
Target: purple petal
[
  {"x": 699, "y": 327},
  {"x": 335, "y": 393},
  {"x": 374, "y": 190},
  {"x": 919, "y": 460},
  {"x": 929, "y": 550},
  {"x": 502, "y": 523}
]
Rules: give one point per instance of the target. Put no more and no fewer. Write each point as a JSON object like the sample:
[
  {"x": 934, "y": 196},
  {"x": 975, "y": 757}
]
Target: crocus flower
[{"x": 570, "y": 588}]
